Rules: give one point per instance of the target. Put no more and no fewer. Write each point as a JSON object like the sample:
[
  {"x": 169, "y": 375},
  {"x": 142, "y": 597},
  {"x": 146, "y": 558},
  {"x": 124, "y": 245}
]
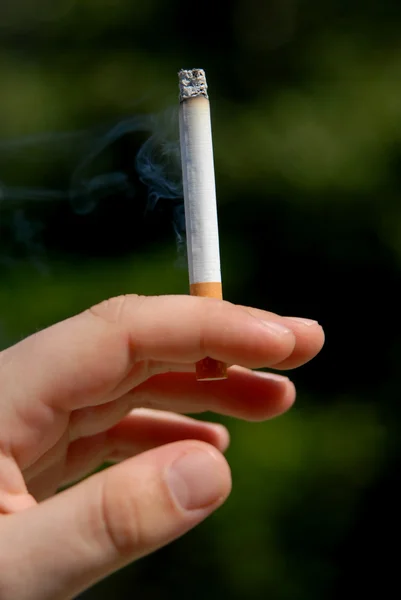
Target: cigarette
[{"x": 200, "y": 200}]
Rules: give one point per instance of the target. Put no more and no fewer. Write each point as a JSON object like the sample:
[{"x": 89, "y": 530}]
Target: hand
[{"x": 80, "y": 393}]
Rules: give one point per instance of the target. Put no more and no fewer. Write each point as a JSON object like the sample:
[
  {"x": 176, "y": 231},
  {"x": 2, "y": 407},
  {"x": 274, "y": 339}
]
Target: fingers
[
  {"x": 140, "y": 431},
  {"x": 250, "y": 395},
  {"x": 99, "y": 355},
  {"x": 57, "y": 549},
  {"x": 100, "y": 435}
]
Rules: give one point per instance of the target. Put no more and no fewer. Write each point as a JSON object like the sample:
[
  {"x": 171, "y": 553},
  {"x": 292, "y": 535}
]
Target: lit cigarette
[{"x": 200, "y": 200}]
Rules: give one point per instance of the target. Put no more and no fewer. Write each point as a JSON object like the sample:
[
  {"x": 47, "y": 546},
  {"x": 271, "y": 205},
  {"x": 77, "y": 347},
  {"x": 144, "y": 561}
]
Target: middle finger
[{"x": 250, "y": 395}]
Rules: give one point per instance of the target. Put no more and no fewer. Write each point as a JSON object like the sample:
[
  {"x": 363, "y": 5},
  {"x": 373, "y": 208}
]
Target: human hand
[{"x": 85, "y": 391}]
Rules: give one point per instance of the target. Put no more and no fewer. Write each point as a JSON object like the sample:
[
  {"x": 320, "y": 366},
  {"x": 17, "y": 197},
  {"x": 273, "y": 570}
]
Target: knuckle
[
  {"x": 123, "y": 517},
  {"x": 113, "y": 309}
]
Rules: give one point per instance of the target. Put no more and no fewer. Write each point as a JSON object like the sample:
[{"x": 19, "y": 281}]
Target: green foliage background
[{"x": 307, "y": 131}]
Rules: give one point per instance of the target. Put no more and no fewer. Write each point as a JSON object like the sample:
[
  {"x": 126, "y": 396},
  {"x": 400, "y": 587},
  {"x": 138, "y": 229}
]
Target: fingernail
[
  {"x": 195, "y": 480},
  {"x": 307, "y": 322},
  {"x": 276, "y": 328}
]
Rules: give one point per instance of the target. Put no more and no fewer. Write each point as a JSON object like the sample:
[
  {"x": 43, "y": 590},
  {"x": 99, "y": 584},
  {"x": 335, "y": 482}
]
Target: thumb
[{"x": 60, "y": 547}]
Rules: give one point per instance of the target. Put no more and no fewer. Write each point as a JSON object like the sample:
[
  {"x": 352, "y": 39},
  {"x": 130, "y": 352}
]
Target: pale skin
[{"x": 113, "y": 384}]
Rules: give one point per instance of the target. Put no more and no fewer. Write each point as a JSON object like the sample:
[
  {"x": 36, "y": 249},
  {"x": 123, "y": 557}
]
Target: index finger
[{"x": 97, "y": 356}]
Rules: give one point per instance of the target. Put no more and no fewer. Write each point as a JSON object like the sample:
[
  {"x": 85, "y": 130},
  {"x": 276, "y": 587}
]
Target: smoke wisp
[{"x": 135, "y": 161}]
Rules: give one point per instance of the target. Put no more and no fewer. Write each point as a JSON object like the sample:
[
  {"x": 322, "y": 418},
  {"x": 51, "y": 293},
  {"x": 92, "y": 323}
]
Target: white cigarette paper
[{"x": 198, "y": 179}]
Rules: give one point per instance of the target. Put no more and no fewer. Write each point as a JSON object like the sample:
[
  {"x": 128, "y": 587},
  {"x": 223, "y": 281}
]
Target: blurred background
[{"x": 307, "y": 131}]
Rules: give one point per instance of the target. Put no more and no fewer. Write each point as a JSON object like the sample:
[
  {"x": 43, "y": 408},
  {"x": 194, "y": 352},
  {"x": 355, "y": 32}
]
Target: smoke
[
  {"x": 158, "y": 163},
  {"x": 110, "y": 164}
]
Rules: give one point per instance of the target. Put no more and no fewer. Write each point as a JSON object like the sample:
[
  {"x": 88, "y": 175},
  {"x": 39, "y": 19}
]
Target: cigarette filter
[{"x": 200, "y": 200}]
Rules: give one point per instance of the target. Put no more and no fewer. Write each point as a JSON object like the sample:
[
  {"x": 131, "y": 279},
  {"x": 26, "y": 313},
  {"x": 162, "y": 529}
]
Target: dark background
[{"x": 307, "y": 131}]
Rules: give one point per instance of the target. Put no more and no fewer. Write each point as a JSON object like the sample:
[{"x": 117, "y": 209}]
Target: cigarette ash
[
  {"x": 128, "y": 170},
  {"x": 192, "y": 83}
]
